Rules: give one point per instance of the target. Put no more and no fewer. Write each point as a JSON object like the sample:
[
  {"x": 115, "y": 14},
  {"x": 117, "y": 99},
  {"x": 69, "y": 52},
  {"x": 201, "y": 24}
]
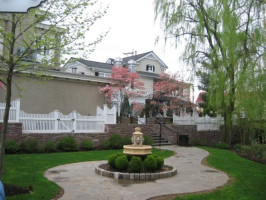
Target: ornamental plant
[
  {"x": 150, "y": 163},
  {"x": 112, "y": 158},
  {"x": 124, "y": 86},
  {"x": 121, "y": 162},
  {"x": 135, "y": 164}
]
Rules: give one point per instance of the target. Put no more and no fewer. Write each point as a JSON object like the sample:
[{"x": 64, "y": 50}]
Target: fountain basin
[{"x": 138, "y": 150}]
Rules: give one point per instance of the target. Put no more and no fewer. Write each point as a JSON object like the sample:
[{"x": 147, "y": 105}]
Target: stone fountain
[{"x": 137, "y": 148}]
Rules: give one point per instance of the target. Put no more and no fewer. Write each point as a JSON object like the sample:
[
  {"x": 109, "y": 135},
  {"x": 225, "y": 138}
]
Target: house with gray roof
[{"x": 148, "y": 65}]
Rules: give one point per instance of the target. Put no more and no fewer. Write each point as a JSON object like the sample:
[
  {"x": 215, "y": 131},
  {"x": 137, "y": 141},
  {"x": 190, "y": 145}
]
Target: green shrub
[
  {"x": 11, "y": 147},
  {"x": 29, "y": 146},
  {"x": 67, "y": 144},
  {"x": 221, "y": 145},
  {"x": 147, "y": 140},
  {"x": 135, "y": 164},
  {"x": 117, "y": 141},
  {"x": 150, "y": 163},
  {"x": 86, "y": 145},
  {"x": 160, "y": 162},
  {"x": 106, "y": 144},
  {"x": 121, "y": 162},
  {"x": 112, "y": 158},
  {"x": 49, "y": 146},
  {"x": 238, "y": 147},
  {"x": 246, "y": 149}
]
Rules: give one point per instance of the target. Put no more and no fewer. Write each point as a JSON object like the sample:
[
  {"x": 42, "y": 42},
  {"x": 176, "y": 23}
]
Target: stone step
[
  {"x": 156, "y": 140},
  {"x": 162, "y": 144}
]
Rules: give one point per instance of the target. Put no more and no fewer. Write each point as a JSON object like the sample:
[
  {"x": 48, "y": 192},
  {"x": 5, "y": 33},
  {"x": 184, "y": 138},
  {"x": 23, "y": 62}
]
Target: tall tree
[
  {"x": 125, "y": 87},
  {"x": 224, "y": 35},
  {"x": 58, "y": 27}
]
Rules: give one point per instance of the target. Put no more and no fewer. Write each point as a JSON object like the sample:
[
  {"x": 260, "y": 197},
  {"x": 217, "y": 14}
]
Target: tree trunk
[
  {"x": 5, "y": 122},
  {"x": 227, "y": 125}
]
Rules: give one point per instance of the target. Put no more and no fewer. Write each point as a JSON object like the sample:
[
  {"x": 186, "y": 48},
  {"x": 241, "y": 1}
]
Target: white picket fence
[
  {"x": 109, "y": 115},
  {"x": 56, "y": 122},
  {"x": 203, "y": 123}
]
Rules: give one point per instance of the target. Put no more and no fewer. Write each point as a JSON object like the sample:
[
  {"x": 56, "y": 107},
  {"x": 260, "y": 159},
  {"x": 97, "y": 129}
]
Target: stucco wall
[{"x": 65, "y": 95}]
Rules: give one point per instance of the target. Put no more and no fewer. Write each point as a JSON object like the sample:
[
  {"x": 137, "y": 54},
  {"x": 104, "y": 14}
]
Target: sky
[{"x": 132, "y": 27}]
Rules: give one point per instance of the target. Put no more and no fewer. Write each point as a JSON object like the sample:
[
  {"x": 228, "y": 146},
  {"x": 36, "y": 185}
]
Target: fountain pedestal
[{"x": 137, "y": 148}]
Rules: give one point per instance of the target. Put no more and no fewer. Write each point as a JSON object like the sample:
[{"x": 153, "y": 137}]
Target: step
[{"x": 162, "y": 144}]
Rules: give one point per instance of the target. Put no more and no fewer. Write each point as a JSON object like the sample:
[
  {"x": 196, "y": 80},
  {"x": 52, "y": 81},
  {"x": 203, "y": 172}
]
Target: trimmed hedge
[
  {"x": 11, "y": 147},
  {"x": 29, "y": 146},
  {"x": 112, "y": 158},
  {"x": 86, "y": 145},
  {"x": 67, "y": 144},
  {"x": 121, "y": 162},
  {"x": 150, "y": 163},
  {"x": 135, "y": 164},
  {"x": 50, "y": 147},
  {"x": 115, "y": 142}
]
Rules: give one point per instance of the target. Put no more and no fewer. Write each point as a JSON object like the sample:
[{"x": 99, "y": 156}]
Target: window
[
  {"x": 102, "y": 74},
  {"x": 45, "y": 51},
  {"x": 150, "y": 68},
  {"x": 74, "y": 70}
]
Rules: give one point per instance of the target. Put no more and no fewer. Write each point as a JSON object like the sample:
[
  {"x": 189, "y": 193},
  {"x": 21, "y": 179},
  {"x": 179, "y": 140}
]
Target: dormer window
[
  {"x": 74, "y": 70},
  {"x": 150, "y": 68}
]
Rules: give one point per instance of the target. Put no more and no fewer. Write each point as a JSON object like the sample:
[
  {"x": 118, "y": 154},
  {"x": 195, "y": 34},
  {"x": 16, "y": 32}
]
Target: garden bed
[{"x": 165, "y": 172}]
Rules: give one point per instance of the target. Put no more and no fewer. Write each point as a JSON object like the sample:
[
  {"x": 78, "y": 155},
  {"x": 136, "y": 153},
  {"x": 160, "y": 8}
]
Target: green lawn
[
  {"x": 249, "y": 178},
  {"x": 28, "y": 169}
]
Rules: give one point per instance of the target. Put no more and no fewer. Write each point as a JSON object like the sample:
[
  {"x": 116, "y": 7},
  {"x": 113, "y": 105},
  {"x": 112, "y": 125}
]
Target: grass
[
  {"x": 28, "y": 169},
  {"x": 249, "y": 177}
]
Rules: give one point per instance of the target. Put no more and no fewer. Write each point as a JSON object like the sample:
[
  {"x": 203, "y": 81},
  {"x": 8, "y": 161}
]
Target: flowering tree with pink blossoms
[
  {"x": 124, "y": 85},
  {"x": 168, "y": 92}
]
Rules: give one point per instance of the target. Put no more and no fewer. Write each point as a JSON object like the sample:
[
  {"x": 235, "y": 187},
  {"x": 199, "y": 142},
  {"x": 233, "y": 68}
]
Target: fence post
[
  {"x": 98, "y": 111},
  {"x": 17, "y": 109},
  {"x": 74, "y": 121},
  {"x": 56, "y": 121},
  {"x": 105, "y": 112}
]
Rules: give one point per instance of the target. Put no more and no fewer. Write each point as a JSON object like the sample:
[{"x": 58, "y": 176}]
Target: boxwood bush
[
  {"x": 29, "y": 146},
  {"x": 11, "y": 147},
  {"x": 121, "y": 162},
  {"x": 86, "y": 145},
  {"x": 147, "y": 140},
  {"x": 135, "y": 164},
  {"x": 112, "y": 158},
  {"x": 150, "y": 163},
  {"x": 49, "y": 147},
  {"x": 106, "y": 144},
  {"x": 160, "y": 162},
  {"x": 67, "y": 144},
  {"x": 117, "y": 141}
]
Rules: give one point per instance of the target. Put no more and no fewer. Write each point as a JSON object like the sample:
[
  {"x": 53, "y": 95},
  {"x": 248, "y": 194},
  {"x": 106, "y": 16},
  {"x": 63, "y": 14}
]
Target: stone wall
[
  {"x": 13, "y": 128},
  {"x": 15, "y": 133},
  {"x": 170, "y": 132},
  {"x": 128, "y": 129}
]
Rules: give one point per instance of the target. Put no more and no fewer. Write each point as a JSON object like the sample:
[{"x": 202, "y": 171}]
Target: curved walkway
[{"x": 80, "y": 181}]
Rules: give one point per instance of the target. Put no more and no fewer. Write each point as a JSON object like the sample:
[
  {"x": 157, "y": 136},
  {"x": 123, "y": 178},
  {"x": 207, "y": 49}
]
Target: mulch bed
[{"x": 11, "y": 190}]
